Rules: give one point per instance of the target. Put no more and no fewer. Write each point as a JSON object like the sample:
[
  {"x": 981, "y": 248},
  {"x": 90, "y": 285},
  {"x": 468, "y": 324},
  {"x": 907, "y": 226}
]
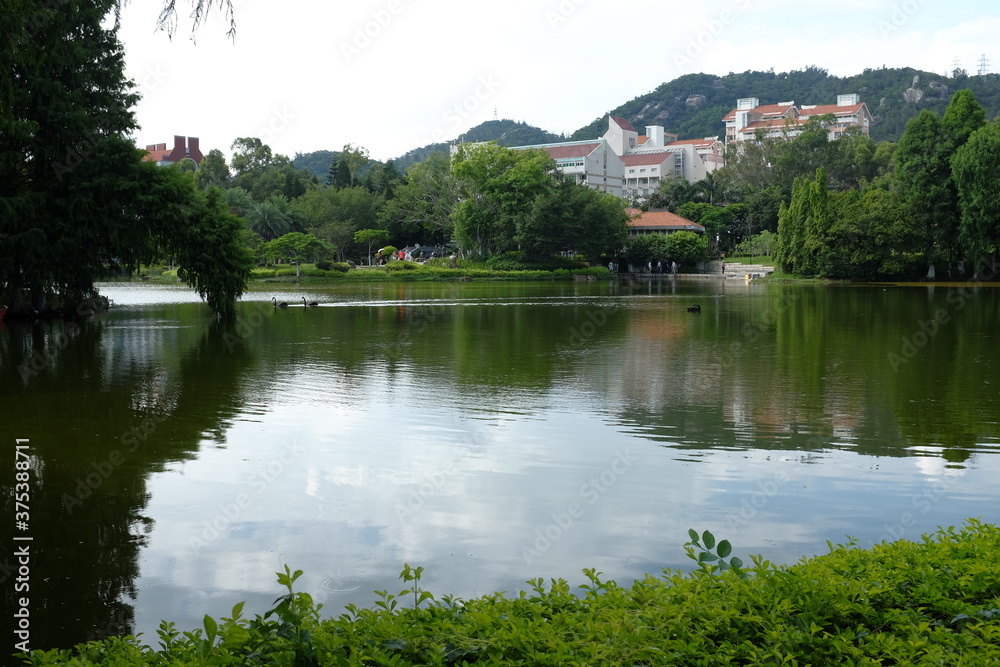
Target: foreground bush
[{"x": 929, "y": 603}]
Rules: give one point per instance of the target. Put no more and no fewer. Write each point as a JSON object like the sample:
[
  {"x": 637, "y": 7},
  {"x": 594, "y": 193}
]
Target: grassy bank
[
  {"x": 936, "y": 602},
  {"x": 396, "y": 272}
]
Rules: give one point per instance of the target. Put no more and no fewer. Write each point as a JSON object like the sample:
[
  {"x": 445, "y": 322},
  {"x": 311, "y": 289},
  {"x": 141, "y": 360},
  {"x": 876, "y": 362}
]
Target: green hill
[
  {"x": 693, "y": 105},
  {"x": 505, "y": 132}
]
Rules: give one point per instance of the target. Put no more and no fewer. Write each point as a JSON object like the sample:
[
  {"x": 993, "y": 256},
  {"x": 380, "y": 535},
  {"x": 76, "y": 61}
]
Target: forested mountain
[
  {"x": 693, "y": 105},
  {"x": 317, "y": 162},
  {"x": 504, "y": 132}
]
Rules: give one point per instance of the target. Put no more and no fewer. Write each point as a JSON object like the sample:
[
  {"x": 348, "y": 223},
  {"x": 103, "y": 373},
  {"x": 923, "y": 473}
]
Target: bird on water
[
  {"x": 278, "y": 304},
  {"x": 311, "y": 304},
  {"x": 694, "y": 309}
]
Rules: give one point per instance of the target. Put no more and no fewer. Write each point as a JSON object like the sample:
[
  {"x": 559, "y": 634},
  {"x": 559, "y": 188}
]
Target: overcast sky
[{"x": 392, "y": 75}]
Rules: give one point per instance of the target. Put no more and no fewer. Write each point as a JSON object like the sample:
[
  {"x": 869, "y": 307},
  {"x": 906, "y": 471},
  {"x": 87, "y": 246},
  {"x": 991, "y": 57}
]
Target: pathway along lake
[{"x": 490, "y": 432}]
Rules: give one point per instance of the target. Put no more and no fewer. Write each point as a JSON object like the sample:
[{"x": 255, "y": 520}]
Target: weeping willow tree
[{"x": 76, "y": 201}]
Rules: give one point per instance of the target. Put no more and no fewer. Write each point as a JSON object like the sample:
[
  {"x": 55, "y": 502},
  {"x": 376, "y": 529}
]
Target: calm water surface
[{"x": 489, "y": 432}]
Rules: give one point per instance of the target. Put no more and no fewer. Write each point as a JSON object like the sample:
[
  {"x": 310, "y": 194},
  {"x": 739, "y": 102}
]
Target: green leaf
[
  {"x": 735, "y": 562},
  {"x": 211, "y": 628},
  {"x": 693, "y": 534},
  {"x": 725, "y": 548},
  {"x": 706, "y": 557},
  {"x": 709, "y": 539}
]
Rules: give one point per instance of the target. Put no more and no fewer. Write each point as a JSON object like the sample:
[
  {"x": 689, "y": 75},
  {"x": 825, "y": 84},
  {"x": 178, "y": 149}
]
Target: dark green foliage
[
  {"x": 975, "y": 167},
  {"x": 935, "y": 602},
  {"x": 316, "y": 163}
]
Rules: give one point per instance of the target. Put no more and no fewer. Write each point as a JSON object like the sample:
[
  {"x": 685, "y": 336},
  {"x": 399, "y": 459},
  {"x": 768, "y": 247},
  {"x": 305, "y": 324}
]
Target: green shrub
[
  {"x": 323, "y": 265},
  {"x": 393, "y": 267},
  {"x": 936, "y": 602}
]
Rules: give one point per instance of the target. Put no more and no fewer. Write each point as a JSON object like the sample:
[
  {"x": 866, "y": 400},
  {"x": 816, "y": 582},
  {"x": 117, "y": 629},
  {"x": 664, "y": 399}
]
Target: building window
[{"x": 642, "y": 171}]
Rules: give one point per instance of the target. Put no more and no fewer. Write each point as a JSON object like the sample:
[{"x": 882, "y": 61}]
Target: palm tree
[{"x": 270, "y": 218}]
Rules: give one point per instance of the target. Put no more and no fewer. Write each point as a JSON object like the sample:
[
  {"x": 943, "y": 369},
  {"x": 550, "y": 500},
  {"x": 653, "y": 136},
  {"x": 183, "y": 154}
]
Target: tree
[
  {"x": 686, "y": 247},
  {"x": 270, "y": 219},
  {"x": 923, "y": 174},
  {"x": 213, "y": 171},
  {"x": 354, "y": 160},
  {"x": 297, "y": 247},
  {"x": 371, "y": 238},
  {"x": 870, "y": 237},
  {"x": 573, "y": 217},
  {"x": 500, "y": 187},
  {"x": 250, "y": 155},
  {"x": 424, "y": 204},
  {"x": 675, "y": 191},
  {"x": 383, "y": 179},
  {"x": 646, "y": 248},
  {"x": 963, "y": 116},
  {"x": 974, "y": 168},
  {"x": 338, "y": 175},
  {"x": 76, "y": 201}
]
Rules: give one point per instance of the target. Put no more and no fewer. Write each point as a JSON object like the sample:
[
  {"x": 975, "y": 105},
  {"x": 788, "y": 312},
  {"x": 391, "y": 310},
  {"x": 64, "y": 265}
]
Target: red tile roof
[
  {"x": 765, "y": 110},
  {"x": 622, "y": 123},
  {"x": 156, "y": 156},
  {"x": 575, "y": 150},
  {"x": 777, "y": 122},
  {"x": 694, "y": 142},
  {"x": 643, "y": 139},
  {"x": 850, "y": 110},
  {"x": 637, "y": 159},
  {"x": 662, "y": 220}
]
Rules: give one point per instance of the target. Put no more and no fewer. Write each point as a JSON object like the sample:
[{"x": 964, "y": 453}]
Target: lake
[{"x": 490, "y": 432}]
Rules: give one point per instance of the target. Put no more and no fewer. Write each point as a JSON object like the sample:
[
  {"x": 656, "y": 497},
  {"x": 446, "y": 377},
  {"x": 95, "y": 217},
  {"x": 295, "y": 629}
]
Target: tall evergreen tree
[
  {"x": 72, "y": 185},
  {"x": 975, "y": 166},
  {"x": 923, "y": 173}
]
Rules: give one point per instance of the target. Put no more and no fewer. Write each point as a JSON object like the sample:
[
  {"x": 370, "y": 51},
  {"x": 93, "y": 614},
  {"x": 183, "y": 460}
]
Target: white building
[
  {"x": 658, "y": 154},
  {"x": 786, "y": 121},
  {"x": 590, "y": 163}
]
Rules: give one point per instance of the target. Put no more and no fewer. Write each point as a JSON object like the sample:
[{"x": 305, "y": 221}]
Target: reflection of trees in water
[
  {"x": 813, "y": 371},
  {"x": 111, "y": 405}
]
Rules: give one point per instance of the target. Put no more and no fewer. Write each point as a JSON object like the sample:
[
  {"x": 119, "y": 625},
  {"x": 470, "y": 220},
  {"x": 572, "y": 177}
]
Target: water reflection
[{"x": 491, "y": 433}]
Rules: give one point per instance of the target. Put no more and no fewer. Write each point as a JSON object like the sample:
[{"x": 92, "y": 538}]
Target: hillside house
[
  {"x": 785, "y": 120},
  {"x": 184, "y": 147}
]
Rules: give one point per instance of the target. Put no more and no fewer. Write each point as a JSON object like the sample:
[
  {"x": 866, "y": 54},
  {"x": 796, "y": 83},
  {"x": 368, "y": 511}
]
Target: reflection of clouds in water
[{"x": 931, "y": 462}]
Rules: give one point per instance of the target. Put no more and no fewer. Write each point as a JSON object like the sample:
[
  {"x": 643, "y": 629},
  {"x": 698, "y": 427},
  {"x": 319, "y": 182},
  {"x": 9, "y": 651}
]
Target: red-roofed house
[
  {"x": 184, "y": 147},
  {"x": 784, "y": 120},
  {"x": 659, "y": 222}
]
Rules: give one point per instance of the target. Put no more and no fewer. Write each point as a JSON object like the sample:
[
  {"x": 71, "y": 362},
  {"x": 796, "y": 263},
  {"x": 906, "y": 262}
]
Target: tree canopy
[{"x": 76, "y": 201}]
